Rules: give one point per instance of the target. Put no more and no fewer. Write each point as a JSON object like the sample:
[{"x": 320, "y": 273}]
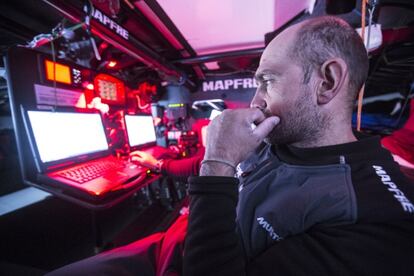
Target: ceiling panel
[{"x": 212, "y": 26}]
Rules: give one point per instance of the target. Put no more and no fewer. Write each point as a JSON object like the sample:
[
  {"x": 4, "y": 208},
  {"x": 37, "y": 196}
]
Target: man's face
[{"x": 281, "y": 92}]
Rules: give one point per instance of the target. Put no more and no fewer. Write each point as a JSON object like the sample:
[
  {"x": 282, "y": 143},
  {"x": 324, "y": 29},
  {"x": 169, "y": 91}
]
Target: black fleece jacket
[{"x": 380, "y": 241}]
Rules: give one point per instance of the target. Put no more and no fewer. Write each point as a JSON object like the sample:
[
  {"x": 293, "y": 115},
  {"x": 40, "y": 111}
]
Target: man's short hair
[{"x": 326, "y": 37}]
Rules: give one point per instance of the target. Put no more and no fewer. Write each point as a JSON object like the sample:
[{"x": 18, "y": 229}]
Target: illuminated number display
[
  {"x": 107, "y": 90},
  {"x": 110, "y": 89}
]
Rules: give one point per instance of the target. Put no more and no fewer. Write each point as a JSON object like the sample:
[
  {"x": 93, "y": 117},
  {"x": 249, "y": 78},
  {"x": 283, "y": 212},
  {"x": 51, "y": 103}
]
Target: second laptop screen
[{"x": 140, "y": 129}]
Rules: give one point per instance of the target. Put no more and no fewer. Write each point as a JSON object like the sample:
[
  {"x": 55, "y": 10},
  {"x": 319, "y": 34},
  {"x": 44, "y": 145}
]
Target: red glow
[
  {"x": 103, "y": 45},
  {"x": 109, "y": 89},
  {"x": 146, "y": 87},
  {"x": 112, "y": 63},
  {"x": 90, "y": 86}
]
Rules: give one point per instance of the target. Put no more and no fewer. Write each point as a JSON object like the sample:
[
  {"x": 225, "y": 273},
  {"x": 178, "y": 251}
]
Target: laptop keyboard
[{"x": 91, "y": 170}]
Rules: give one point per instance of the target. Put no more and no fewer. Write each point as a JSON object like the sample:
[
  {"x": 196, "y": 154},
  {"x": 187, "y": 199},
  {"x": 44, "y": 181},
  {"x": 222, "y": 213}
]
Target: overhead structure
[{"x": 114, "y": 34}]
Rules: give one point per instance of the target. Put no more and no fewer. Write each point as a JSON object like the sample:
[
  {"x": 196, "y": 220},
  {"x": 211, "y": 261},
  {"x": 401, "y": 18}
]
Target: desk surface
[
  {"x": 97, "y": 204},
  {"x": 20, "y": 199}
]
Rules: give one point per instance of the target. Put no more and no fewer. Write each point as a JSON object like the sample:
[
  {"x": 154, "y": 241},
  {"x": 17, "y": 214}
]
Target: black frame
[
  {"x": 53, "y": 165},
  {"x": 146, "y": 145}
]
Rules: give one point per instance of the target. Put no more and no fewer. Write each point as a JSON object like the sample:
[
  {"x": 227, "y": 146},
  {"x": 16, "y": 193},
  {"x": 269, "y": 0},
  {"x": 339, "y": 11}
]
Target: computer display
[
  {"x": 61, "y": 135},
  {"x": 140, "y": 130}
]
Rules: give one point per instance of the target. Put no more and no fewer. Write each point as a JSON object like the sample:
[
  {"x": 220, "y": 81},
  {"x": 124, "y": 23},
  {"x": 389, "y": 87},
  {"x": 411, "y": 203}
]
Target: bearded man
[{"x": 314, "y": 199}]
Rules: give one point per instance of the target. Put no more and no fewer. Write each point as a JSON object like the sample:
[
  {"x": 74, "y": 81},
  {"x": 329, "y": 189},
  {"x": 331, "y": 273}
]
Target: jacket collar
[{"x": 366, "y": 148}]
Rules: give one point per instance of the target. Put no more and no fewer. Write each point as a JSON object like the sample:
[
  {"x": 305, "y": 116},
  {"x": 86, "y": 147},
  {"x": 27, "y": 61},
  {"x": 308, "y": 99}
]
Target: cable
[
  {"x": 371, "y": 13},
  {"x": 363, "y": 15},
  {"x": 139, "y": 103},
  {"x": 57, "y": 32},
  {"x": 54, "y": 74},
  {"x": 361, "y": 92},
  {"x": 89, "y": 10}
]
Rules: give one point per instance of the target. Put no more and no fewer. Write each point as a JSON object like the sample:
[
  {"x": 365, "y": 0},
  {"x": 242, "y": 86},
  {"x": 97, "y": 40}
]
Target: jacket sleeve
[
  {"x": 183, "y": 167},
  {"x": 212, "y": 245}
]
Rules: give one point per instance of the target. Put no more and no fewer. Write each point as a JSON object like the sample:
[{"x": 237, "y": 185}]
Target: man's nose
[{"x": 258, "y": 101}]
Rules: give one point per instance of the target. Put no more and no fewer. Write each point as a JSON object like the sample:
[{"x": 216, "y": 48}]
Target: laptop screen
[
  {"x": 140, "y": 130},
  {"x": 61, "y": 135}
]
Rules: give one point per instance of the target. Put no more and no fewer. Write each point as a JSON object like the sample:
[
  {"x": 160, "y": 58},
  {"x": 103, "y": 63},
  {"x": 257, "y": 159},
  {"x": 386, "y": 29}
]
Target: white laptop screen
[
  {"x": 140, "y": 130},
  {"x": 61, "y": 135}
]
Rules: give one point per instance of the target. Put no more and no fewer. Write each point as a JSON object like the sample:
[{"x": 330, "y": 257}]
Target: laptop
[
  {"x": 141, "y": 136},
  {"x": 71, "y": 150}
]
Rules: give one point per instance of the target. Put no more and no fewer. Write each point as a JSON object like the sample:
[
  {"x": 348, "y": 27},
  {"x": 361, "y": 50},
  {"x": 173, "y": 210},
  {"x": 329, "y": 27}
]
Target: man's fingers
[
  {"x": 257, "y": 116},
  {"x": 266, "y": 126},
  {"x": 137, "y": 153},
  {"x": 137, "y": 158}
]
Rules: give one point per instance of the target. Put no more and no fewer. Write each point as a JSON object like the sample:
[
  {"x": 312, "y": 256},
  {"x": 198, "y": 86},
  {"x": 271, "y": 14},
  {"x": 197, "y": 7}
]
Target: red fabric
[
  {"x": 401, "y": 142},
  {"x": 169, "y": 260},
  {"x": 159, "y": 254},
  {"x": 184, "y": 167}
]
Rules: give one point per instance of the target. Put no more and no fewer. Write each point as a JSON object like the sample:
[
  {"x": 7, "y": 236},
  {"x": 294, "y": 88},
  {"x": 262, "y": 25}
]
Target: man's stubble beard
[{"x": 301, "y": 123}]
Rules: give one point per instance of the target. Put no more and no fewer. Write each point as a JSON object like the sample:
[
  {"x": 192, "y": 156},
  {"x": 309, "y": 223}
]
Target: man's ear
[{"x": 333, "y": 73}]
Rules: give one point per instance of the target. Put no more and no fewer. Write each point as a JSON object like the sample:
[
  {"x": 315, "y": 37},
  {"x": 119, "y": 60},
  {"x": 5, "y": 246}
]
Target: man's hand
[
  {"x": 231, "y": 137},
  {"x": 144, "y": 158}
]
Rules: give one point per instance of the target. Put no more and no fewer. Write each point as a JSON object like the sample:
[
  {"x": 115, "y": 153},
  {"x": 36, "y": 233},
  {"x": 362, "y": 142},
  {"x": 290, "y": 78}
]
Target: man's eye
[{"x": 267, "y": 81}]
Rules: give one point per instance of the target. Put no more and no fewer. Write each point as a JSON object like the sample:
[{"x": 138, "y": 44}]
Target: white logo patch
[
  {"x": 392, "y": 187},
  {"x": 268, "y": 228}
]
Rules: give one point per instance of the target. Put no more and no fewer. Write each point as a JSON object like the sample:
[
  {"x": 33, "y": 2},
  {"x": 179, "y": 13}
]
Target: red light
[
  {"x": 110, "y": 89},
  {"x": 112, "y": 63},
  {"x": 103, "y": 45},
  {"x": 90, "y": 86},
  {"x": 146, "y": 87}
]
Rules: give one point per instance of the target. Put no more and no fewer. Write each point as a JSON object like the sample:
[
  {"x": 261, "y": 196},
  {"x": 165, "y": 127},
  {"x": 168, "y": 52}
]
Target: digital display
[
  {"x": 58, "y": 72},
  {"x": 77, "y": 76},
  {"x": 174, "y": 135},
  {"x": 107, "y": 90},
  {"x": 61, "y": 135},
  {"x": 110, "y": 89},
  {"x": 140, "y": 129}
]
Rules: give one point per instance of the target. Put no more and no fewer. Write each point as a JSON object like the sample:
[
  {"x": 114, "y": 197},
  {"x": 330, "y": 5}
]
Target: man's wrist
[
  {"x": 157, "y": 167},
  {"x": 216, "y": 169}
]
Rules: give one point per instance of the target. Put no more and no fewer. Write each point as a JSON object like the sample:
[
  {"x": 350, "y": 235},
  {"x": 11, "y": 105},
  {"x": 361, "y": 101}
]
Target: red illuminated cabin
[{"x": 85, "y": 83}]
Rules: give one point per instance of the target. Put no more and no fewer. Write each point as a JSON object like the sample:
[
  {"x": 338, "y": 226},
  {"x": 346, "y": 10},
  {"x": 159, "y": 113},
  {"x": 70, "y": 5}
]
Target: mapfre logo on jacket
[{"x": 392, "y": 187}]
